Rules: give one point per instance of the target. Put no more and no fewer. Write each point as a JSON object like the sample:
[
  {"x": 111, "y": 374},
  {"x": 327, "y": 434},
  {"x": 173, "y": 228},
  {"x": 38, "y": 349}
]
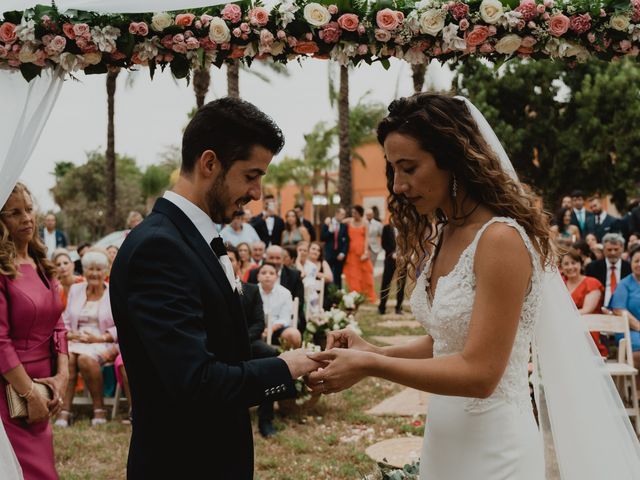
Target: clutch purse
[{"x": 18, "y": 405}]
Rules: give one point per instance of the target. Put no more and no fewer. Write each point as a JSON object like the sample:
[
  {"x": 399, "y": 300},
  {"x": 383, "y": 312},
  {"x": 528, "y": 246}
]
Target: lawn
[{"x": 327, "y": 441}]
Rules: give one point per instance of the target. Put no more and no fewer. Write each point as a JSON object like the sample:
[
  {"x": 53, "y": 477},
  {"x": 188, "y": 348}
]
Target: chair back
[
  {"x": 604, "y": 323},
  {"x": 294, "y": 312}
]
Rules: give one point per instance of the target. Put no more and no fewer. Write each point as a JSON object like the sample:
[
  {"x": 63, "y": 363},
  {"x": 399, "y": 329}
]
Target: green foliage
[
  {"x": 563, "y": 128},
  {"x": 80, "y": 192}
]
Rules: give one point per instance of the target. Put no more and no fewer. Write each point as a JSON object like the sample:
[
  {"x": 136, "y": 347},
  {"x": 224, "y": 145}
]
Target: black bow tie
[{"x": 217, "y": 244}]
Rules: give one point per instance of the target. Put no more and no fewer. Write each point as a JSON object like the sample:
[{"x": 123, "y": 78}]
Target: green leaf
[
  {"x": 200, "y": 53},
  {"x": 180, "y": 66},
  {"x": 511, "y": 3},
  {"x": 13, "y": 17},
  {"x": 152, "y": 68},
  {"x": 385, "y": 63},
  {"x": 96, "y": 69},
  {"x": 30, "y": 71},
  {"x": 41, "y": 10},
  {"x": 126, "y": 43}
]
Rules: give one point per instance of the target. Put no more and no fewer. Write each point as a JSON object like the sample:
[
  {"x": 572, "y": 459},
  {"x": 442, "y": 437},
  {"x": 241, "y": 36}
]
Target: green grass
[{"x": 326, "y": 441}]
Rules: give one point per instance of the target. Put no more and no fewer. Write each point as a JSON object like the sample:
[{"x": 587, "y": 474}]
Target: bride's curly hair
[
  {"x": 444, "y": 127},
  {"x": 36, "y": 248}
]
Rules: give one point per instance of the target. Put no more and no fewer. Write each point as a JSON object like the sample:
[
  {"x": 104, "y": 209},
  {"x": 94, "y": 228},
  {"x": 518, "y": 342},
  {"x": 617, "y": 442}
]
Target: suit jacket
[
  {"x": 61, "y": 238},
  {"x": 609, "y": 224},
  {"x": 185, "y": 344},
  {"x": 330, "y": 253},
  {"x": 388, "y": 240},
  {"x": 254, "y": 310},
  {"x": 291, "y": 279},
  {"x": 76, "y": 301},
  {"x": 598, "y": 269},
  {"x": 260, "y": 225},
  {"x": 589, "y": 223}
]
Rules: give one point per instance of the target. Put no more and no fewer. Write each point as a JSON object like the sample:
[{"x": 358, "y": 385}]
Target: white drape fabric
[
  {"x": 135, "y": 6},
  {"x": 580, "y": 410},
  {"x": 26, "y": 108},
  {"x": 9, "y": 466}
]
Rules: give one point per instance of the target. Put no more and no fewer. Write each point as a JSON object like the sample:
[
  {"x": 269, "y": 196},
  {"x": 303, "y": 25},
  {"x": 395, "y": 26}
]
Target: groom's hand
[
  {"x": 344, "y": 368},
  {"x": 299, "y": 363}
]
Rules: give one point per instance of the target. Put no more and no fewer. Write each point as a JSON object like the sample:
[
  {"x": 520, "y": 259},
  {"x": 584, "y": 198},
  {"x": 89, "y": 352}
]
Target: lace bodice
[{"x": 447, "y": 318}]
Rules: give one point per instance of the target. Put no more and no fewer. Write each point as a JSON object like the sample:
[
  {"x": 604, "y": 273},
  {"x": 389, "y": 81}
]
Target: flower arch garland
[{"x": 349, "y": 33}]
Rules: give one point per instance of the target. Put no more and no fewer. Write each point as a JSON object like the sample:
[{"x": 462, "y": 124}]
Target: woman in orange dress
[{"x": 358, "y": 268}]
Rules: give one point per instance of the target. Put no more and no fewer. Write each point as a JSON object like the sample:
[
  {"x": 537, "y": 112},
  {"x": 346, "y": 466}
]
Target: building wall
[{"x": 370, "y": 180}]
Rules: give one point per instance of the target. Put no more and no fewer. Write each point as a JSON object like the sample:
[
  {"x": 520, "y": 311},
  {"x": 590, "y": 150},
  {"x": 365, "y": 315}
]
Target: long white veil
[{"x": 581, "y": 415}]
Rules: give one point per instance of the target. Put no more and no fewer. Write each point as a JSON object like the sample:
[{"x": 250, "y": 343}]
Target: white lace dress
[{"x": 469, "y": 438}]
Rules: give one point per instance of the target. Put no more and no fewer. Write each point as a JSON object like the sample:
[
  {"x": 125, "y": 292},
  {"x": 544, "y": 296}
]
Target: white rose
[
  {"x": 27, "y": 55},
  {"x": 570, "y": 49},
  {"x": 508, "y": 44},
  {"x": 491, "y": 11},
  {"x": 277, "y": 48},
  {"x": 218, "y": 31},
  {"x": 160, "y": 21},
  {"x": 316, "y": 15},
  {"x": 68, "y": 61},
  {"x": 432, "y": 21},
  {"x": 619, "y": 22}
]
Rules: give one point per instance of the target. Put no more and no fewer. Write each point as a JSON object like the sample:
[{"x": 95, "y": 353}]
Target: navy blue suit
[
  {"x": 333, "y": 247},
  {"x": 61, "y": 238},
  {"x": 185, "y": 344}
]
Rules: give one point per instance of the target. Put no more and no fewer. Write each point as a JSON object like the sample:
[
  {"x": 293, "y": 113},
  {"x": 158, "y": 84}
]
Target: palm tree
[
  {"x": 233, "y": 79},
  {"x": 110, "y": 154},
  {"x": 345, "y": 187},
  {"x": 418, "y": 75},
  {"x": 201, "y": 82},
  {"x": 281, "y": 173}
]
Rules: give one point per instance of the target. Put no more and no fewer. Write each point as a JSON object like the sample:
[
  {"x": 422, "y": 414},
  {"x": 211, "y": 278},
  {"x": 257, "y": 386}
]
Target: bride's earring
[{"x": 455, "y": 186}]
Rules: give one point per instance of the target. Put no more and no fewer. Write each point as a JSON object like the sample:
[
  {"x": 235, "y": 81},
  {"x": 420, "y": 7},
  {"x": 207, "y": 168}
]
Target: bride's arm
[
  {"x": 503, "y": 269},
  {"x": 419, "y": 348}
]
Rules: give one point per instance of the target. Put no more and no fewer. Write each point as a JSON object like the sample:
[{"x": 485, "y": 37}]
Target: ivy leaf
[
  {"x": 126, "y": 43},
  {"x": 152, "y": 68},
  {"x": 41, "y": 10},
  {"x": 14, "y": 17},
  {"x": 180, "y": 66},
  {"x": 30, "y": 71},
  {"x": 385, "y": 63}
]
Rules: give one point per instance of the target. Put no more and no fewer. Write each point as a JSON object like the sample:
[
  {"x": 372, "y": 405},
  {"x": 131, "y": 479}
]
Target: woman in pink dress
[{"x": 33, "y": 344}]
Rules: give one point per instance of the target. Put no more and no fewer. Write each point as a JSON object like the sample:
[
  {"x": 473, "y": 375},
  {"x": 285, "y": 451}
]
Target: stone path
[
  {"x": 395, "y": 339},
  {"x": 408, "y": 403},
  {"x": 396, "y": 451}
]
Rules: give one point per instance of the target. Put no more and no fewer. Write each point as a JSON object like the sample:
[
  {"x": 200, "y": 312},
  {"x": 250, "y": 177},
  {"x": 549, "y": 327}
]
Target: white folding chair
[
  {"x": 622, "y": 369},
  {"x": 83, "y": 397}
]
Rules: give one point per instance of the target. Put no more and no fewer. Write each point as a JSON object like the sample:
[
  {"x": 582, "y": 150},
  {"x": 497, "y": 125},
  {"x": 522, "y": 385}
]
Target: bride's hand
[
  {"x": 343, "y": 369},
  {"x": 347, "y": 338}
]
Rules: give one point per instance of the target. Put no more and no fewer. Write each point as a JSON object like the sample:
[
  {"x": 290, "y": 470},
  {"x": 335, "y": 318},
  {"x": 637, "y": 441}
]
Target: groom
[{"x": 177, "y": 308}]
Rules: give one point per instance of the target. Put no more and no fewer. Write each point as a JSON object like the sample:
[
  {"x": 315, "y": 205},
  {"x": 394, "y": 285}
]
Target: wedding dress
[{"x": 492, "y": 438}]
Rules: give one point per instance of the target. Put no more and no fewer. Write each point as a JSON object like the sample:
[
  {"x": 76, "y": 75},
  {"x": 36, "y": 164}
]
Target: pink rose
[
  {"x": 197, "y": 24},
  {"x": 333, "y": 9},
  {"x": 459, "y": 10},
  {"x": 330, "y": 33},
  {"x": 205, "y": 19},
  {"x": 532, "y": 25},
  {"x": 266, "y": 37},
  {"x": 82, "y": 30},
  {"x": 541, "y": 8},
  {"x": 236, "y": 32},
  {"x": 558, "y": 24},
  {"x": 192, "y": 43},
  {"x": 492, "y": 30},
  {"x": 382, "y": 35},
  {"x": 188, "y": 34},
  {"x": 135, "y": 58},
  {"x": 477, "y": 36},
  {"x": 400, "y": 16},
  {"x": 349, "y": 22},
  {"x": 580, "y": 23},
  {"x": 178, "y": 38},
  {"x": 361, "y": 29},
  {"x": 67, "y": 29},
  {"x": 591, "y": 37},
  {"x": 8, "y": 32},
  {"x": 180, "y": 47},
  {"x": 207, "y": 43},
  {"x": 244, "y": 27},
  {"x": 57, "y": 44},
  {"x": 528, "y": 41},
  {"x": 521, "y": 24},
  {"x": 143, "y": 29},
  {"x": 85, "y": 45},
  {"x": 546, "y": 16},
  {"x": 3, "y": 51},
  {"x": 185, "y": 20},
  {"x": 237, "y": 52},
  {"x": 464, "y": 24},
  {"x": 549, "y": 3},
  {"x": 46, "y": 39},
  {"x": 363, "y": 49},
  {"x": 486, "y": 48},
  {"x": 232, "y": 12},
  {"x": 167, "y": 41},
  {"x": 133, "y": 28},
  {"x": 281, "y": 35},
  {"x": 625, "y": 45},
  {"x": 524, "y": 51},
  {"x": 635, "y": 9},
  {"x": 603, "y": 13},
  {"x": 259, "y": 16},
  {"x": 245, "y": 36},
  {"x": 387, "y": 19},
  {"x": 292, "y": 41},
  {"x": 308, "y": 36},
  {"x": 306, "y": 48},
  {"x": 528, "y": 9}
]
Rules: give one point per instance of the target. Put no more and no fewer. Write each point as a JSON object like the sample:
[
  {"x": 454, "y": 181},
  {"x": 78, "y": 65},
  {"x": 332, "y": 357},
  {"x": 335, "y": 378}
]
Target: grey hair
[
  {"x": 615, "y": 238},
  {"x": 275, "y": 249},
  {"x": 95, "y": 257},
  {"x": 260, "y": 242}
]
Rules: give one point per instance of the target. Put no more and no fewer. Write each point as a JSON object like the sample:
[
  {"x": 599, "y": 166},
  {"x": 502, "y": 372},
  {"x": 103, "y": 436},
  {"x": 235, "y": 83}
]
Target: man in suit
[
  {"x": 52, "y": 237},
  {"x": 389, "y": 245},
  {"x": 603, "y": 222},
  {"x": 611, "y": 269},
  {"x": 335, "y": 236},
  {"x": 254, "y": 313},
  {"x": 580, "y": 216},
  {"x": 288, "y": 277},
  {"x": 181, "y": 327},
  {"x": 268, "y": 225},
  {"x": 299, "y": 209}
]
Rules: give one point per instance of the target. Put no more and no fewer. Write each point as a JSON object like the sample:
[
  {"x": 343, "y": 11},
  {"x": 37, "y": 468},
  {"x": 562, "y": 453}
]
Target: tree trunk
[
  {"x": 418, "y": 75},
  {"x": 344, "y": 152},
  {"x": 233, "y": 79},
  {"x": 110, "y": 155},
  {"x": 201, "y": 81}
]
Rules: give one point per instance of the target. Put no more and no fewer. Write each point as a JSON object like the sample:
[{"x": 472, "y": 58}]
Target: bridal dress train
[{"x": 493, "y": 438}]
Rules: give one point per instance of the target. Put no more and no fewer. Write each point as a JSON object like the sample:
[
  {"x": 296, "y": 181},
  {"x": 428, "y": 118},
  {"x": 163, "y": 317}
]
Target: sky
[{"x": 150, "y": 115}]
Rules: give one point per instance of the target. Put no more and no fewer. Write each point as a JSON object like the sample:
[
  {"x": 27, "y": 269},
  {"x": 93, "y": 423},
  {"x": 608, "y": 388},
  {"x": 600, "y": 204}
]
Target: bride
[{"x": 481, "y": 256}]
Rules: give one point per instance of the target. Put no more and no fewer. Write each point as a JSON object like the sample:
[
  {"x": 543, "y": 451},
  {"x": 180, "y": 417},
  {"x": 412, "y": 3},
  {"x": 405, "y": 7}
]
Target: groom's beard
[{"x": 219, "y": 201}]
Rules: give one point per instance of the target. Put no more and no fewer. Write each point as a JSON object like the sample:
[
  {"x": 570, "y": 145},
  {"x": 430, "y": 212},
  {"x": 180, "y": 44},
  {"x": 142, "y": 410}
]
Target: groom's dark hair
[{"x": 231, "y": 128}]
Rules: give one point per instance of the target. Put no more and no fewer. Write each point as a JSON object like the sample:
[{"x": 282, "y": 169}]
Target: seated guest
[
  {"x": 245, "y": 265},
  {"x": 290, "y": 256},
  {"x": 626, "y": 298},
  {"x": 587, "y": 292},
  {"x": 634, "y": 239},
  {"x": 257, "y": 252},
  {"x": 302, "y": 251},
  {"x": 254, "y": 314},
  {"x": 278, "y": 304},
  {"x": 288, "y": 277},
  {"x": 322, "y": 271},
  {"x": 238, "y": 231},
  {"x": 584, "y": 251},
  {"x": 91, "y": 334},
  {"x": 591, "y": 240},
  {"x": 66, "y": 275},
  {"x": 612, "y": 269}
]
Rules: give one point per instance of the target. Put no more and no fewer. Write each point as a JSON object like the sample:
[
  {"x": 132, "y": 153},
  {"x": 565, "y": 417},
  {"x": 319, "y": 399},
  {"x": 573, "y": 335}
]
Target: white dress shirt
[
  {"x": 607, "y": 291},
  {"x": 50, "y": 242},
  {"x": 278, "y": 305},
  {"x": 270, "y": 221},
  {"x": 204, "y": 225},
  {"x": 246, "y": 235}
]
